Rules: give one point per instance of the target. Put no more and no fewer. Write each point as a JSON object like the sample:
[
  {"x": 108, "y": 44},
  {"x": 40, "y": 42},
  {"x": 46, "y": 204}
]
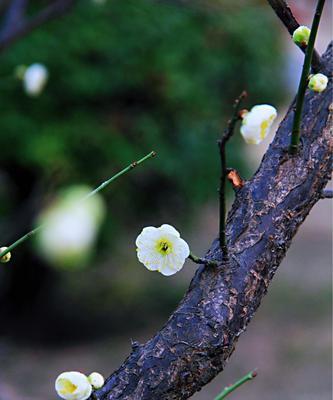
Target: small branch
[
  {"x": 14, "y": 16},
  {"x": 119, "y": 174},
  {"x": 327, "y": 194},
  {"x": 304, "y": 79},
  {"x": 92, "y": 193},
  {"x": 11, "y": 33},
  {"x": 285, "y": 14},
  {"x": 202, "y": 261},
  {"x": 236, "y": 385},
  {"x": 236, "y": 180},
  {"x": 228, "y": 132}
]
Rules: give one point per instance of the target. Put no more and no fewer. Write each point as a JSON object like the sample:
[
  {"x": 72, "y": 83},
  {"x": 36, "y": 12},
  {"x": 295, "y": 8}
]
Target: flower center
[
  {"x": 164, "y": 246},
  {"x": 67, "y": 387},
  {"x": 264, "y": 126}
]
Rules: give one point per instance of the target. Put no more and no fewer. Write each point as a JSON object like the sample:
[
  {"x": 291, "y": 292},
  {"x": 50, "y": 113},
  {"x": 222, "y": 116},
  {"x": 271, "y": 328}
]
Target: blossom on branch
[
  {"x": 162, "y": 249},
  {"x": 257, "y": 122},
  {"x": 73, "y": 386}
]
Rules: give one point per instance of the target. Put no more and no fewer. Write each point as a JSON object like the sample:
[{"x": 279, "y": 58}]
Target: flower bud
[
  {"x": 301, "y": 35},
  {"x": 73, "y": 386},
  {"x": 34, "y": 79},
  {"x": 96, "y": 380},
  {"x": 257, "y": 123},
  {"x": 6, "y": 257},
  {"x": 318, "y": 82}
]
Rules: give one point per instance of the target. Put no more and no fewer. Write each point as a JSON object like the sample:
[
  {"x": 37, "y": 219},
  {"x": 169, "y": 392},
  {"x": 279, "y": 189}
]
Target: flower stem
[
  {"x": 198, "y": 260},
  {"x": 236, "y": 385},
  {"x": 295, "y": 136},
  {"x": 92, "y": 193}
]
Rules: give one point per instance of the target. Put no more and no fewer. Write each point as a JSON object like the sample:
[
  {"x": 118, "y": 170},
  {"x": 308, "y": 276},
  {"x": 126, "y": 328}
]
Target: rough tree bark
[{"x": 199, "y": 337}]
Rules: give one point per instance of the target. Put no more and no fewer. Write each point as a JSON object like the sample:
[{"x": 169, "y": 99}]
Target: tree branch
[
  {"x": 199, "y": 337},
  {"x": 285, "y": 14},
  {"x": 22, "y": 26}
]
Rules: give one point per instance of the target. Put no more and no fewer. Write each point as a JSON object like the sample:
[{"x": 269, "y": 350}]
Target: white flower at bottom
[
  {"x": 162, "y": 249},
  {"x": 34, "y": 79},
  {"x": 318, "y": 82},
  {"x": 257, "y": 122},
  {"x": 73, "y": 386},
  {"x": 96, "y": 380}
]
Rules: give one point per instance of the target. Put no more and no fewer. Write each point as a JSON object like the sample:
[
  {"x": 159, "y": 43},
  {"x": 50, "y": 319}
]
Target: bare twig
[
  {"x": 228, "y": 132},
  {"x": 240, "y": 382},
  {"x": 285, "y": 14},
  {"x": 14, "y": 16},
  {"x": 10, "y": 33}
]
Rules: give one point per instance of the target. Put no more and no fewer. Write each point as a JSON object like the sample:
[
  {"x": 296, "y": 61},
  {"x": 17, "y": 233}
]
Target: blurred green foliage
[
  {"x": 125, "y": 77},
  {"x": 130, "y": 76}
]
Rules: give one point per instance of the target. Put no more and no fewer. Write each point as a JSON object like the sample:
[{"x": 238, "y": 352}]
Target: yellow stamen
[{"x": 67, "y": 386}]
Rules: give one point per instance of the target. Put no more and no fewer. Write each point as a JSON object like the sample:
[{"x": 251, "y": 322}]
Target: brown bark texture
[{"x": 199, "y": 337}]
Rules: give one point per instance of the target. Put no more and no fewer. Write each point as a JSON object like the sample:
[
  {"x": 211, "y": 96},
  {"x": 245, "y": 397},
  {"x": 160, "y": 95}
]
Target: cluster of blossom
[{"x": 74, "y": 385}]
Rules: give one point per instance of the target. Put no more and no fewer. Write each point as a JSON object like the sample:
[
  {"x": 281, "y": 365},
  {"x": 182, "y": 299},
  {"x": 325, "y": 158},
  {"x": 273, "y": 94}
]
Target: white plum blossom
[
  {"x": 34, "y": 79},
  {"x": 96, "y": 380},
  {"x": 301, "y": 35},
  {"x": 162, "y": 249},
  {"x": 73, "y": 386},
  {"x": 257, "y": 122},
  {"x": 318, "y": 82},
  {"x": 70, "y": 227}
]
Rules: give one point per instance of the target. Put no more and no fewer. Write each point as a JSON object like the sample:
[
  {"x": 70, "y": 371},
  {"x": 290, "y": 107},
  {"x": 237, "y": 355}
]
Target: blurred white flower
[
  {"x": 4, "y": 259},
  {"x": 318, "y": 82},
  {"x": 161, "y": 249},
  {"x": 257, "y": 122},
  {"x": 301, "y": 35},
  {"x": 70, "y": 227},
  {"x": 96, "y": 380},
  {"x": 34, "y": 79},
  {"x": 73, "y": 386}
]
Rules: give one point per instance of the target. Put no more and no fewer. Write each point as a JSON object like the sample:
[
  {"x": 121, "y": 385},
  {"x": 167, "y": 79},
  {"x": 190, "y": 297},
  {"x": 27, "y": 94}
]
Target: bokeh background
[{"x": 126, "y": 77}]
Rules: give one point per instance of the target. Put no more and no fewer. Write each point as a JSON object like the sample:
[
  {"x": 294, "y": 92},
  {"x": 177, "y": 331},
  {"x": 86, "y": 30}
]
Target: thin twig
[
  {"x": 236, "y": 385},
  {"x": 285, "y": 14},
  {"x": 55, "y": 9},
  {"x": 304, "y": 79},
  {"x": 327, "y": 194},
  {"x": 222, "y": 143},
  {"x": 14, "y": 16},
  {"x": 92, "y": 193}
]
